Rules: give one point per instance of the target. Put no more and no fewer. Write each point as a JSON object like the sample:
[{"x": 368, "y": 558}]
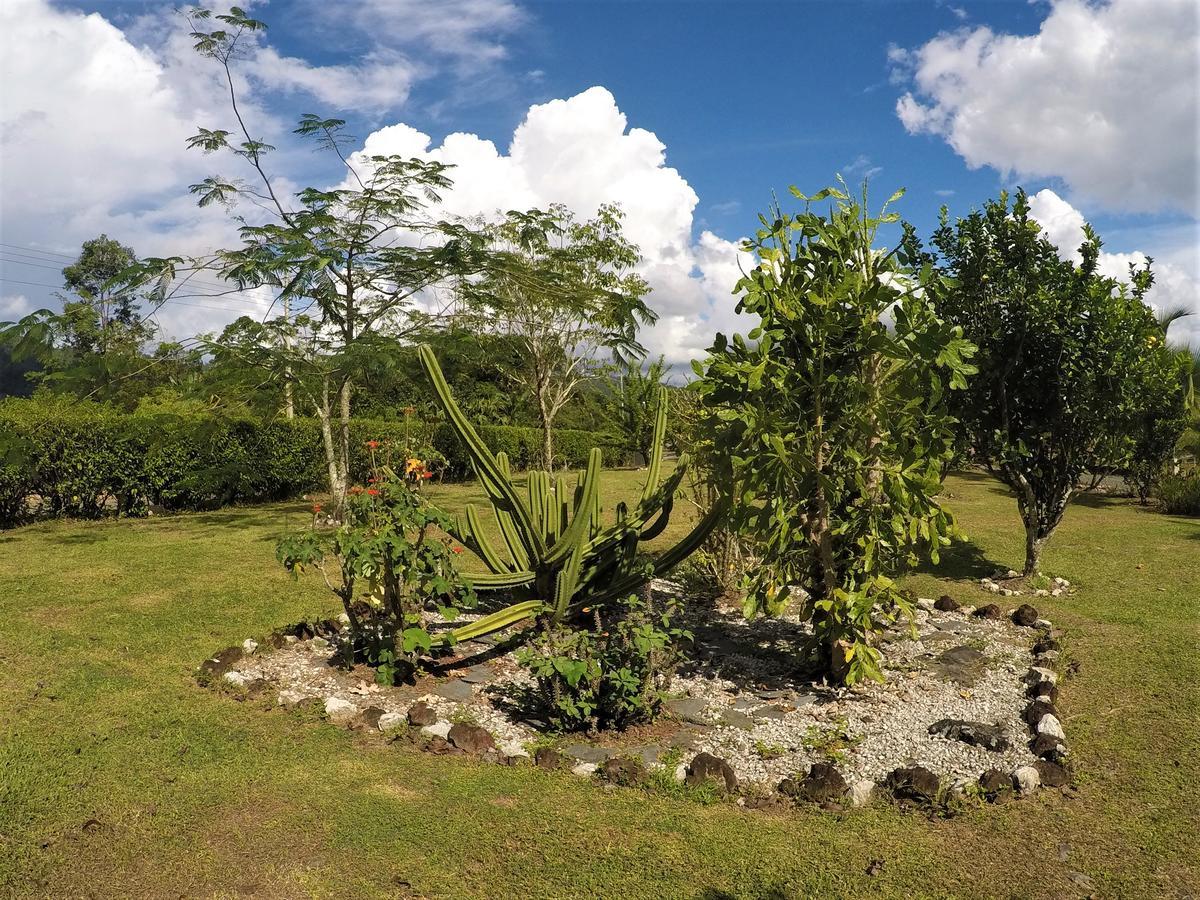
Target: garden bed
[{"x": 966, "y": 706}]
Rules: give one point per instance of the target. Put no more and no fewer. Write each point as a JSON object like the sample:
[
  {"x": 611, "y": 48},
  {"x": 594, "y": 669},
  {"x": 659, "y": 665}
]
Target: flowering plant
[{"x": 390, "y": 564}]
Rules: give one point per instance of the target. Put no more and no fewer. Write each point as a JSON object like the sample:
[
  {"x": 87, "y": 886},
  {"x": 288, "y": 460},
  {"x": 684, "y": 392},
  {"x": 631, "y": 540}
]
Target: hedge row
[{"x": 86, "y": 460}]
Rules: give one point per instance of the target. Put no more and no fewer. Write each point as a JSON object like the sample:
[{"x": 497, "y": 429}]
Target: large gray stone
[
  {"x": 457, "y": 690},
  {"x": 977, "y": 734},
  {"x": 587, "y": 753},
  {"x": 960, "y": 664},
  {"x": 690, "y": 709},
  {"x": 735, "y": 719},
  {"x": 479, "y": 674}
]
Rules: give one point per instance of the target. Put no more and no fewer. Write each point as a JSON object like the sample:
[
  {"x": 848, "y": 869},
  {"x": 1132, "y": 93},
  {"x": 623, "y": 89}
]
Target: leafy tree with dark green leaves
[
  {"x": 1074, "y": 370},
  {"x": 832, "y": 417},
  {"x": 351, "y": 261},
  {"x": 567, "y": 291}
]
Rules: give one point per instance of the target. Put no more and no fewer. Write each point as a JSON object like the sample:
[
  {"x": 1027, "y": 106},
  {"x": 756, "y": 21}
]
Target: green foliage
[
  {"x": 833, "y": 425},
  {"x": 611, "y": 676},
  {"x": 567, "y": 292},
  {"x": 558, "y": 555},
  {"x": 632, "y": 403},
  {"x": 389, "y": 563},
  {"x": 1075, "y": 379},
  {"x": 88, "y": 459},
  {"x": 1180, "y": 494}
]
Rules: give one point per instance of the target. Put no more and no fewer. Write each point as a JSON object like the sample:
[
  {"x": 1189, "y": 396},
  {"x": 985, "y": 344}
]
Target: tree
[
  {"x": 94, "y": 345},
  {"x": 634, "y": 394},
  {"x": 351, "y": 259},
  {"x": 834, "y": 423},
  {"x": 1072, "y": 364},
  {"x": 567, "y": 291}
]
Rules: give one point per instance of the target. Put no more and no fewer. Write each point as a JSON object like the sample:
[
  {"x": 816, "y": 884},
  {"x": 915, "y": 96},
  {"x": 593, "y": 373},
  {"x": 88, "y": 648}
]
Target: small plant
[
  {"x": 609, "y": 677},
  {"x": 1180, "y": 494},
  {"x": 832, "y": 743},
  {"x": 389, "y": 563},
  {"x": 769, "y": 751}
]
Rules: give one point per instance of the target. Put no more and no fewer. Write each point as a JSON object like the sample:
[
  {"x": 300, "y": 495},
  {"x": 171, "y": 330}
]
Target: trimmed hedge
[{"x": 86, "y": 460}]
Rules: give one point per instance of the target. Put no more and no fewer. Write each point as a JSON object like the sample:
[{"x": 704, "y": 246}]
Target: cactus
[{"x": 557, "y": 555}]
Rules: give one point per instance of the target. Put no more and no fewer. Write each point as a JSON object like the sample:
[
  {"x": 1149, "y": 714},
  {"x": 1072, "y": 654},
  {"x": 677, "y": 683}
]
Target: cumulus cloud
[
  {"x": 1104, "y": 96},
  {"x": 1174, "y": 285},
  {"x": 581, "y": 152}
]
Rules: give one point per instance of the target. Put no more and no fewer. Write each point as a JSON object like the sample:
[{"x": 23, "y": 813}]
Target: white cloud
[
  {"x": 1104, "y": 96},
  {"x": 1174, "y": 286},
  {"x": 581, "y": 152},
  {"x": 13, "y": 307},
  {"x": 382, "y": 81}
]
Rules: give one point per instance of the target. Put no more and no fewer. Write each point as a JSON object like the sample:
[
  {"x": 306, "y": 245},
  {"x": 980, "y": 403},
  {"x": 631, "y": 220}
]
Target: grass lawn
[{"x": 120, "y": 777}]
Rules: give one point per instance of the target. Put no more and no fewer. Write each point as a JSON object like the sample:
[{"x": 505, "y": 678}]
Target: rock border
[{"x": 822, "y": 785}]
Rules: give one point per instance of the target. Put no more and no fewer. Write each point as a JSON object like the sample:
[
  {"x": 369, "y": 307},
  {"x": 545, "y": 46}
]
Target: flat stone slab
[
  {"x": 690, "y": 709},
  {"x": 458, "y": 690},
  {"x": 954, "y": 626},
  {"x": 961, "y": 664},
  {"x": 735, "y": 719},
  {"x": 587, "y": 753},
  {"x": 480, "y": 673}
]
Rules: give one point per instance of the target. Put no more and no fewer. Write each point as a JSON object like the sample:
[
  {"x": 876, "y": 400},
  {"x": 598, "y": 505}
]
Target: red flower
[
  {"x": 373, "y": 444},
  {"x": 427, "y": 475},
  {"x": 372, "y": 492},
  {"x": 316, "y": 507},
  {"x": 456, "y": 549}
]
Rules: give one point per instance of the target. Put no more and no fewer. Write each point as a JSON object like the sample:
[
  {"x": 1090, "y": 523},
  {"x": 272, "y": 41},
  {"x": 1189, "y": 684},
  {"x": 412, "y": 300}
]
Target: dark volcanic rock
[
  {"x": 1025, "y": 616},
  {"x": 706, "y": 767},
  {"x": 990, "y": 611},
  {"x": 994, "y": 782},
  {"x": 218, "y": 665},
  {"x": 823, "y": 783},
  {"x": 913, "y": 783},
  {"x": 977, "y": 734},
  {"x": 549, "y": 758},
  {"x": 1045, "y": 645},
  {"x": 1052, "y": 774},
  {"x": 623, "y": 770},
  {"x": 471, "y": 738},
  {"x": 1046, "y": 746},
  {"x": 1044, "y": 690},
  {"x": 1034, "y": 711},
  {"x": 369, "y": 717},
  {"x": 946, "y": 603},
  {"x": 420, "y": 714}
]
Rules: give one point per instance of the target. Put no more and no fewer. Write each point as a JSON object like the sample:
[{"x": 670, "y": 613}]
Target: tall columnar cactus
[{"x": 558, "y": 556}]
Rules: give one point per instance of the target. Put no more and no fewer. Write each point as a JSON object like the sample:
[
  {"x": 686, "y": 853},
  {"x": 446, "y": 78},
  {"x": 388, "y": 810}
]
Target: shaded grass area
[{"x": 119, "y": 777}]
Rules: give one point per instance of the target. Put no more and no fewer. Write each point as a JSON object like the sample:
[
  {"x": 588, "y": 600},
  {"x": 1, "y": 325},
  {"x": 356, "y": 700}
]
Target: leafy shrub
[
  {"x": 86, "y": 460},
  {"x": 1180, "y": 494},
  {"x": 611, "y": 676},
  {"x": 388, "y": 562}
]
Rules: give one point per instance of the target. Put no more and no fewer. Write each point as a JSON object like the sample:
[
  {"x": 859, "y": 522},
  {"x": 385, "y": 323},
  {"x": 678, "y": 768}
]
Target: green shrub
[
  {"x": 611, "y": 676},
  {"x": 64, "y": 457},
  {"x": 1180, "y": 494}
]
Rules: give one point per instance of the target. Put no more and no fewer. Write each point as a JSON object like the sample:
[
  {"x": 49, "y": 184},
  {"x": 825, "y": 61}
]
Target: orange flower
[
  {"x": 316, "y": 507},
  {"x": 409, "y": 410},
  {"x": 426, "y": 474},
  {"x": 356, "y": 490},
  {"x": 371, "y": 492},
  {"x": 373, "y": 444},
  {"x": 456, "y": 549}
]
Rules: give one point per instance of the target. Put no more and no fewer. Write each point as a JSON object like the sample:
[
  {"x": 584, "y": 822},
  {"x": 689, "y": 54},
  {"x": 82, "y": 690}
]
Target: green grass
[{"x": 120, "y": 777}]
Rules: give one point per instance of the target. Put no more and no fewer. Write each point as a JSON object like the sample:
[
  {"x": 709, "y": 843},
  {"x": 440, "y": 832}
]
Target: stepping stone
[
  {"x": 770, "y": 712},
  {"x": 745, "y": 704},
  {"x": 735, "y": 719},
  {"x": 648, "y": 754},
  {"x": 954, "y": 626},
  {"x": 481, "y": 673},
  {"x": 457, "y": 690},
  {"x": 690, "y": 709},
  {"x": 960, "y": 664},
  {"x": 802, "y": 700},
  {"x": 784, "y": 694},
  {"x": 587, "y": 753}
]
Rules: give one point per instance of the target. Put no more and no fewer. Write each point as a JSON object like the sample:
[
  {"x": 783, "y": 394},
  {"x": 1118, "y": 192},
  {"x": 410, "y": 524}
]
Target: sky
[{"x": 691, "y": 115}]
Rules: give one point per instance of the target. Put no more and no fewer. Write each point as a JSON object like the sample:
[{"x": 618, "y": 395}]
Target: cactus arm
[
  {"x": 655, "y": 528},
  {"x": 537, "y": 506},
  {"x": 564, "y": 507},
  {"x": 508, "y": 531},
  {"x": 483, "y": 545},
  {"x": 498, "y": 621},
  {"x": 567, "y": 583},
  {"x": 656, "y": 446},
  {"x": 577, "y": 532},
  {"x": 500, "y": 580},
  {"x": 495, "y": 483}
]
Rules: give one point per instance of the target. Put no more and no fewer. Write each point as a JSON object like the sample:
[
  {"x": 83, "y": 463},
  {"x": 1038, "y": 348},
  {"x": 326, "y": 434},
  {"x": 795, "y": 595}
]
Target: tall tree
[
  {"x": 352, "y": 260},
  {"x": 1072, "y": 364},
  {"x": 832, "y": 416},
  {"x": 567, "y": 291}
]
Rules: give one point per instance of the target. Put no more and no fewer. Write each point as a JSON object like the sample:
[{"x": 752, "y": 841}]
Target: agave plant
[{"x": 558, "y": 556}]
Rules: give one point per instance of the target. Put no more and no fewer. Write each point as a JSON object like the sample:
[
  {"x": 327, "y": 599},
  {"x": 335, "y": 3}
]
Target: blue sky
[{"x": 1090, "y": 104}]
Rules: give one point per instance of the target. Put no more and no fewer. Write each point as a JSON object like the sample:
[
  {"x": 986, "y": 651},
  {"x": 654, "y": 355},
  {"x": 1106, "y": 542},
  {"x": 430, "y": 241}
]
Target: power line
[{"x": 157, "y": 308}]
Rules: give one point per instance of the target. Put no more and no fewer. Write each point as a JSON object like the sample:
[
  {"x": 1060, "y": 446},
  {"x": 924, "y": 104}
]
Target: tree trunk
[
  {"x": 337, "y": 486},
  {"x": 344, "y": 468},
  {"x": 547, "y": 436},
  {"x": 1033, "y": 549}
]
